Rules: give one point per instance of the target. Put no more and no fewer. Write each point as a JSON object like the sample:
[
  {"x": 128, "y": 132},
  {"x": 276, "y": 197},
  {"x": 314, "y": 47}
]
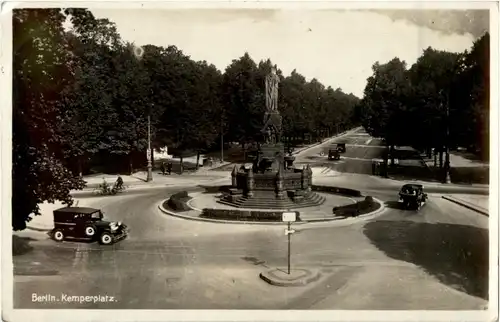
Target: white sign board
[
  {"x": 148, "y": 154},
  {"x": 289, "y": 216}
]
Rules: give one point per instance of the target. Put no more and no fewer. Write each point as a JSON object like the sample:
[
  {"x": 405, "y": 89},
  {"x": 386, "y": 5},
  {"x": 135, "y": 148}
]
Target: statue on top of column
[{"x": 272, "y": 81}]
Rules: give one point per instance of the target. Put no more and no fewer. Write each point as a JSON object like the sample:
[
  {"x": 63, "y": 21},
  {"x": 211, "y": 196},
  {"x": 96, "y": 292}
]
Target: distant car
[
  {"x": 86, "y": 224},
  {"x": 341, "y": 147},
  {"x": 412, "y": 196},
  {"x": 333, "y": 154}
]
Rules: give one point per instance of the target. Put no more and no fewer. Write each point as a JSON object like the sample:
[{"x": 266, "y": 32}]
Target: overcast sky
[{"x": 338, "y": 47}]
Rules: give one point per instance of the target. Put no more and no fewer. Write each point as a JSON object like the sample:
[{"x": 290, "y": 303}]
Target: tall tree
[{"x": 40, "y": 74}]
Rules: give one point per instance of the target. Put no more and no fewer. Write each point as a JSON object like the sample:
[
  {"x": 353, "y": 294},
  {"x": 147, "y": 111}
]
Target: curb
[
  {"x": 45, "y": 230},
  {"x": 467, "y": 205},
  {"x": 311, "y": 221},
  {"x": 221, "y": 221},
  {"x": 366, "y": 216},
  {"x": 324, "y": 141},
  {"x": 276, "y": 281}
]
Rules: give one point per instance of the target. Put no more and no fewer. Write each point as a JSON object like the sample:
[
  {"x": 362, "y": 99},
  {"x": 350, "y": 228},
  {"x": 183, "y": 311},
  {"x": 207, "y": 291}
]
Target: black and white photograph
[{"x": 254, "y": 159}]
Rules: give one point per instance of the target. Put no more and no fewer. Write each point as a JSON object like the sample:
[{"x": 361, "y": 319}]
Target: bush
[
  {"x": 180, "y": 195},
  {"x": 216, "y": 189},
  {"x": 338, "y": 190},
  {"x": 178, "y": 201},
  {"x": 244, "y": 215},
  {"x": 360, "y": 208}
]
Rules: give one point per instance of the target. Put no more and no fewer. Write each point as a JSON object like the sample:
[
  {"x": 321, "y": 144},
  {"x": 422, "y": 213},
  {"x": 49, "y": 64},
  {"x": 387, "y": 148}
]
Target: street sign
[
  {"x": 288, "y": 232},
  {"x": 148, "y": 154},
  {"x": 289, "y": 216}
]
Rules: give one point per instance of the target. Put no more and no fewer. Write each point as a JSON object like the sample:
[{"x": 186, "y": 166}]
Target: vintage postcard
[{"x": 244, "y": 161}]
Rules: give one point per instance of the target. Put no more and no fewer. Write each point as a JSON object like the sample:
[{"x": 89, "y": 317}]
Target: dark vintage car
[
  {"x": 333, "y": 154},
  {"x": 86, "y": 224},
  {"x": 341, "y": 147},
  {"x": 412, "y": 196}
]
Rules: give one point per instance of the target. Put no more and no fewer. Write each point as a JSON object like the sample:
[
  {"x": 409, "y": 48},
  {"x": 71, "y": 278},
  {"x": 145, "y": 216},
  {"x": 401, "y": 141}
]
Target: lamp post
[
  {"x": 221, "y": 139},
  {"x": 447, "y": 178},
  {"x": 150, "y": 167},
  {"x": 138, "y": 53}
]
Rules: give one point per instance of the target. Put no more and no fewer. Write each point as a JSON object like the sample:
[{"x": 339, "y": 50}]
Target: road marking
[
  {"x": 368, "y": 141},
  {"x": 325, "y": 170}
]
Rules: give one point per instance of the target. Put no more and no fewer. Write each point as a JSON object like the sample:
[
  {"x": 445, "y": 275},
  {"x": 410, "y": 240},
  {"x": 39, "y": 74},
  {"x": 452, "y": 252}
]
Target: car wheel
[
  {"x": 58, "y": 235},
  {"x": 89, "y": 231},
  {"x": 106, "y": 239}
]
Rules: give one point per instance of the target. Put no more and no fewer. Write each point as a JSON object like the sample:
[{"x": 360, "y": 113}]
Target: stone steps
[{"x": 311, "y": 200}]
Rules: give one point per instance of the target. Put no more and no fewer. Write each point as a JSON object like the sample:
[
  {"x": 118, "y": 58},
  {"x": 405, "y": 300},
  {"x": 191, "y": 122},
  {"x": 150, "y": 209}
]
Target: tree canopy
[
  {"x": 441, "y": 93},
  {"x": 84, "y": 95}
]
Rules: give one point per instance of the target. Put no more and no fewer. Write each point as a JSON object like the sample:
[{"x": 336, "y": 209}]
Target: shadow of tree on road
[
  {"x": 456, "y": 255},
  {"x": 21, "y": 245},
  {"x": 394, "y": 205}
]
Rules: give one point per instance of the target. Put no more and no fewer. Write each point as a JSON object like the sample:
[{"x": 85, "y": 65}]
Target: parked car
[
  {"x": 341, "y": 147},
  {"x": 86, "y": 224},
  {"x": 412, "y": 196},
  {"x": 333, "y": 154}
]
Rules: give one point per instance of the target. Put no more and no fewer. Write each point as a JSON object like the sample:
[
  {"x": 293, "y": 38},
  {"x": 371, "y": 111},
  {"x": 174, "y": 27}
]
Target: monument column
[
  {"x": 250, "y": 183},
  {"x": 280, "y": 184},
  {"x": 234, "y": 179}
]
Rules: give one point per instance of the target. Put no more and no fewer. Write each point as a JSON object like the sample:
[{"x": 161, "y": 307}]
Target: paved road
[
  {"x": 431, "y": 260},
  {"x": 434, "y": 259}
]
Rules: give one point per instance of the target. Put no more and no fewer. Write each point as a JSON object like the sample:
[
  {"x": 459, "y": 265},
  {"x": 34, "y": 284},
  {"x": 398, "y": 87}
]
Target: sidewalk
[
  {"x": 462, "y": 170},
  {"x": 476, "y": 203},
  {"x": 139, "y": 179},
  {"x": 457, "y": 161}
]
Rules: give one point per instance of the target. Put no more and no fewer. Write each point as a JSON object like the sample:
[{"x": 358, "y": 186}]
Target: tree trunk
[
  {"x": 197, "y": 159},
  {"x": 80, "y": 171},
  {"x": 152, "y": 158},
  {"x": 429, "y": 153},
  {"x": 181, "y": 170},
  {"x": 392, "y": 154},
  {"x": 435, "y": 158},
  {"x": 131, "y": 163},
  {"x": 440, "y": 158}
]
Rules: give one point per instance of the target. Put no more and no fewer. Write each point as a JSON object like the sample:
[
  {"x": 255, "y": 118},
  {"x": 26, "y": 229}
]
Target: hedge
[
  {"x": 338, "y": 190},
  {"x": 178, "y": 201},
  {"x": 244, "y": 215},
  {"x": 353, "y": 210},
  {"x": 216, "y": 189}
]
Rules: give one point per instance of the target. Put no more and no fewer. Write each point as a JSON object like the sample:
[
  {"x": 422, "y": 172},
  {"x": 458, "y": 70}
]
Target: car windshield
[
  {"x": 97, "y": 215},
  {"x": 411, "y": 188}
]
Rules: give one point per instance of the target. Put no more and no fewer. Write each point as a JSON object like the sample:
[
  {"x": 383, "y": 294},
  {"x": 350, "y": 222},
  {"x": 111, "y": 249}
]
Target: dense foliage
[
  {"x": 440, "y": 101},
  {"x": 83, "y": 96}
]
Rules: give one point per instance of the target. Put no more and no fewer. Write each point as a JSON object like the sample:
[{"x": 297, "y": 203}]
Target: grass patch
[
  {"x": 359, "y": 208},
  {"x": 244, "y": 215}
]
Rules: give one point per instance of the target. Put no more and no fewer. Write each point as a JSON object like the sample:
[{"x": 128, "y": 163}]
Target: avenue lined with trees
[
  {"x": 441, "y": 101},
  {"x": 83, "y": 97}
]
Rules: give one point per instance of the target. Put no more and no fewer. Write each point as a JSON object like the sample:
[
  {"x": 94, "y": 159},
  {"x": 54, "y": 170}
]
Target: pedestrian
[
  {"x": 163, "y": 168},
  {"x": 169, "y": 168}
]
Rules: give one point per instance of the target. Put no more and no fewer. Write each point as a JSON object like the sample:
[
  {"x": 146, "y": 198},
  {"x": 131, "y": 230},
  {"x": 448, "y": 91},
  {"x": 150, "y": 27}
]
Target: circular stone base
[
  {"x": 205, "y": 200},
  {"x": 297, "y": 277}
]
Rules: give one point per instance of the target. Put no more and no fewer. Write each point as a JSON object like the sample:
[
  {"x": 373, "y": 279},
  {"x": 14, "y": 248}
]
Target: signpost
[{"x": 289, "y": 217}]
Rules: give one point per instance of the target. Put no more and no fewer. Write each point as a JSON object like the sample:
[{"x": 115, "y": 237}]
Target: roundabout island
[{"x": 261, "y": 191}]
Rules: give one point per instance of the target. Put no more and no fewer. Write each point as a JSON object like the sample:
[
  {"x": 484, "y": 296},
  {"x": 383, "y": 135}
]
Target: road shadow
[
  {"x": 470, "y": 175},
  {"x": 394, "y": 205},
  {"x": 456, "y": 255},
  {"x": 412, "y": 172},
  {"x": 21, "y": 245}
]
